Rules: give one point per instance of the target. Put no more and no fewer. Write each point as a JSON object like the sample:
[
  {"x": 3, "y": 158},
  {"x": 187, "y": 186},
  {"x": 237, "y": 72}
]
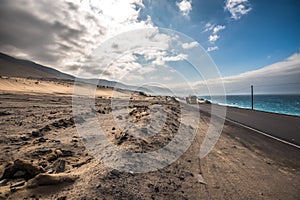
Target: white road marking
[{"x": 265, "y": 134}]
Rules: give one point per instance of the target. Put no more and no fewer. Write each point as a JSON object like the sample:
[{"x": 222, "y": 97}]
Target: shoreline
[
  {"x": 244, "y": 108},
  {"x": 249, "y": 108}
]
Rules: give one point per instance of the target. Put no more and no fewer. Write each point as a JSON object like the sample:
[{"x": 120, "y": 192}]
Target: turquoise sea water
[{"x": 283, "y": 104}]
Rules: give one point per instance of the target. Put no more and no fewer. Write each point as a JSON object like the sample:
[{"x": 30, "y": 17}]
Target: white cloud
[
  {"x": 163, "y": 59},
  {"x": 213, "y": 38},
  {"x": 280, "y": 77},
  {"x": 185, "y": 7},
  {"x": 237, "y": 8},
  {"x": 218, "y": 28},
  {"x": 62, "y": 33},
  {"x": 208, "y": 27},
  {"x": 214, "y": 29},
  {"x": 214, "y": 48},
  {"x": 190, "y": 45}
]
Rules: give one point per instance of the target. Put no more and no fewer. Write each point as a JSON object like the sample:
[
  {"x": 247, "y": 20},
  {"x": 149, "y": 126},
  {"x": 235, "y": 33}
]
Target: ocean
[{"x": 283, "y": 104}]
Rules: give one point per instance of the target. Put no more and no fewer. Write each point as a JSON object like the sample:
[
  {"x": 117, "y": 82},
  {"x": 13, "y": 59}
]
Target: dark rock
[
  {"x": 19, "y": 174},
  {"x": 122, "y": 139},
  {"x": 42, "y": 140},
  {"x": 4, "y": 113},
  {"x": 207, "y": 102},
  {"x": 66, "y": 153},
  {"x": 45, "y": 129},
  {"x": 43, "y": 164},
  {"x": 181, "y": 177},
  {"x": 62, "y": 198},
  {"x": 24, "y": 138},
  {"x": 115, "y": 172},
  {"x": 36, "y": 134},
  {"x": 60, "y": 166},
  {"x": 63, "y": 123},
  {"x": 53, "y": 112}
]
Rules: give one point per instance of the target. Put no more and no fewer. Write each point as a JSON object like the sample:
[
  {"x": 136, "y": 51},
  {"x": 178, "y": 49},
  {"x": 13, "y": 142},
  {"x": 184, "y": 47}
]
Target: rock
[
  {"x": 51, "y": 179},
  {"x": 43, "y": 164},
  {"x": 181, "y": 177},
  {"x": 60, "y": 166},
  {"x": 36, "y": 134},
  {"x": 201, "y": 179},
  {"x": 66, "y": 153},
  {"x": 62, "y": 198},
  {"x": 52, "y": 157},
  {"x": 40, "y": 152},
  {"x": 74, "y": 140},
  {"x": 58, "y": 152},
  {"x": 3, "y": 182},
  {"x": 18, "y": 184},
  {"x": 4, "y": 113},
  {"x": 50, "y": 171},
  {"x": 63, "y": 123},
  {"x": 115, "y": 172},
  {"x": 122, "y": 139},
  {"x": 24, "y": 138},
  {"x": 21, "y": 169},
  {"x": 41, "y": 140},
  {"x": 207, "y": 102},
  {"x": 19, "y": 174}
]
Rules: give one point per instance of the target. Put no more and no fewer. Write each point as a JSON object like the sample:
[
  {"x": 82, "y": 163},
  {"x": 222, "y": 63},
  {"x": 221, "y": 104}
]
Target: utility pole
[{"x": 252, "y": 103}]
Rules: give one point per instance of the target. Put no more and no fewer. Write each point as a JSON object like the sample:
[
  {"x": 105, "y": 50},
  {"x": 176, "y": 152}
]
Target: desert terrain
[{"x": 44, "y": 157}]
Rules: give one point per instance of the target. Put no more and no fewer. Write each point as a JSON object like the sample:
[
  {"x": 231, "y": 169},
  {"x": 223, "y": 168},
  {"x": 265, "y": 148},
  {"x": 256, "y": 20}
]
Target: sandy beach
[{"x": 43, "y": 157}]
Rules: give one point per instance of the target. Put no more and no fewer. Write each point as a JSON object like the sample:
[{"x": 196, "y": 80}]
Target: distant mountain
[{"x": 10, "y": 66}]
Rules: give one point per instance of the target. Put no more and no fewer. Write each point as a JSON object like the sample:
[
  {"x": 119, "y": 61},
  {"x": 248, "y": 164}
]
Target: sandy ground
[{"x": 43, "y": 156}]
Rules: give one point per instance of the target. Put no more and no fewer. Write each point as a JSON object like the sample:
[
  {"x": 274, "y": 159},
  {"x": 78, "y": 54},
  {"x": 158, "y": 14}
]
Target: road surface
[{"x": 285, "y": 127}]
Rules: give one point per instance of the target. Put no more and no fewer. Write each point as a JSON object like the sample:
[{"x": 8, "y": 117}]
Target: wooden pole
[{"x": 252, "y": 99}]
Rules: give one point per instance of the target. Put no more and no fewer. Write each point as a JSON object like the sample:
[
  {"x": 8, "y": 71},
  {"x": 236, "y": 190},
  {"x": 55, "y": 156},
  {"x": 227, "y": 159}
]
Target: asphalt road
[{"x": 284, "y": 127}]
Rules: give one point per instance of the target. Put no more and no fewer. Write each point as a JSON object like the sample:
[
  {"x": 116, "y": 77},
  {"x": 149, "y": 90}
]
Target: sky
[{"x": 240, "y": 42}]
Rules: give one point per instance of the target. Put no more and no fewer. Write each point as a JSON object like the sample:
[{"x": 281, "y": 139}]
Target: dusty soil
[{"x": 43, "y": 157}]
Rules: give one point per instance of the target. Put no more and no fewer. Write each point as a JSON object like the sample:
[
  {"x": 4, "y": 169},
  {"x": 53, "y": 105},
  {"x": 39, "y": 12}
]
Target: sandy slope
[
  {"x": 42, "y": 86},
  {"x": 43, "y": 156}
]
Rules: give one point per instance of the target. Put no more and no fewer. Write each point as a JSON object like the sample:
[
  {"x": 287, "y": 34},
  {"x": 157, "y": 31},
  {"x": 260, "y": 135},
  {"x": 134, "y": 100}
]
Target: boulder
[{"x": 21, "y": 169}]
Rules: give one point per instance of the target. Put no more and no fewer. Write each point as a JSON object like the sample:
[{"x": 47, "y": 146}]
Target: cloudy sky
[{"x": 249, "y": 41}]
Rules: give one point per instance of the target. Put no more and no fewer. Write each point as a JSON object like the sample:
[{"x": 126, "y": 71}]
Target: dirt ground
[{"x": 43, "y": 157}]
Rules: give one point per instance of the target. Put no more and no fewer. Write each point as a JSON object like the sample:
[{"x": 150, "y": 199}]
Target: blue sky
[
  {"x": 268, "y": 33},
  {"x": 252, "y": 42}
]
